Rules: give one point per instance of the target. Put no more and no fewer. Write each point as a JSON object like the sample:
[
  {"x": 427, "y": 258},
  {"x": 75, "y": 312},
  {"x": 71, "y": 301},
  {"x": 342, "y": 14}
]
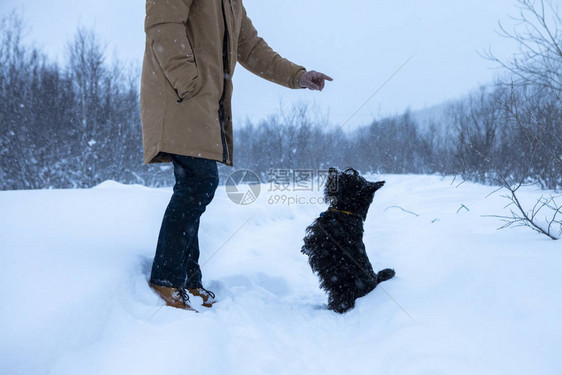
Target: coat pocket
[
  {"x": 189, "y": 93},
  {"x": 181, "y": 75}
]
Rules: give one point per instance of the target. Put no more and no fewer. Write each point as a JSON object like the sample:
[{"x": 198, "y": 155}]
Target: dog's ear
[
  {"x": 376, "y": 185},
  {"x": 351, "y": 171},
  {"x": 332, "y": 180}
]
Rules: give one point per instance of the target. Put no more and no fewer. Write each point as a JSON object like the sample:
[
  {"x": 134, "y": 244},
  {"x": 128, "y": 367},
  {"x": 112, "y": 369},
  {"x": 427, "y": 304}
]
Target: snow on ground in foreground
[{"x": 74, "y": 297}]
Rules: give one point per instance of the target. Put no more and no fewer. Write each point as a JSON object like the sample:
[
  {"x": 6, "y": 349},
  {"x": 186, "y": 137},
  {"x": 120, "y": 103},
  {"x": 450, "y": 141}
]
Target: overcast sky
[{"x": 359, "y": 43}]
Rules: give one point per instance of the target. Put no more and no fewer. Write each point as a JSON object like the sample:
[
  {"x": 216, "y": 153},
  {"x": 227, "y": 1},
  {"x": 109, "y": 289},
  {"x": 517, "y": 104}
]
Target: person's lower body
[{"x": 176, "y": 263}]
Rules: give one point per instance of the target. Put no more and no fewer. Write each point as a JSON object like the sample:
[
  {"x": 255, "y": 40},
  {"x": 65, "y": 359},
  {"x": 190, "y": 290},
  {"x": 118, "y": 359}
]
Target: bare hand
[{"x": 313, "y": 80}]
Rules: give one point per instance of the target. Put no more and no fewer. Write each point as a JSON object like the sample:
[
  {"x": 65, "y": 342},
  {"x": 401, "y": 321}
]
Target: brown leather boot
[
  {"x": 175, "y": 297},
  {"x": 207, "y": 295}
]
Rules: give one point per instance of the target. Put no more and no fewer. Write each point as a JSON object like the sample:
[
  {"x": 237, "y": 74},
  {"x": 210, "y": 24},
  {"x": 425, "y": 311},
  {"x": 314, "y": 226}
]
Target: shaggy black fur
[{"x": 334, "y": 241}]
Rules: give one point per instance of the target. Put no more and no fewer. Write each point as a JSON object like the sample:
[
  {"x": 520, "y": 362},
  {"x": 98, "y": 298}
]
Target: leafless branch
[
  {"x": 461, "y": 207},
  {"x": 400, "y": 208},
  {"x": 537, "y": 31}
]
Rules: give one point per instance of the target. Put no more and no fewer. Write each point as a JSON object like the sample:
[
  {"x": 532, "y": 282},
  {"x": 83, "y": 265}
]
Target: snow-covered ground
[{"x": 467, "y": 299}]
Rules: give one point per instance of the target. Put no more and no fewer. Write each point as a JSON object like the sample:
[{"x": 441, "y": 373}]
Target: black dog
[{"x": 334, "y": 241}]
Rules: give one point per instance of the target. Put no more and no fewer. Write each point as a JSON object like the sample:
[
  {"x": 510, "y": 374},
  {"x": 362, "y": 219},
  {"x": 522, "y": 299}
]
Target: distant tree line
[
  {"x": 79, "y": 124},
  {"x": 294, "y": 141},
  {"x": 509, "y": 132},
  {"x": 500, "y": 131},
  {"x": 71, "y": 126}
]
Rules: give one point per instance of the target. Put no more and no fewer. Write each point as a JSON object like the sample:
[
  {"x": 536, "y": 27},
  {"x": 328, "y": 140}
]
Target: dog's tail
[{"x": 386, "y": 274}]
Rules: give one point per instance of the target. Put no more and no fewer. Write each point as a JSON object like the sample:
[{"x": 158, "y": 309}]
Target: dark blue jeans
[{"x": 177, "y": 252}]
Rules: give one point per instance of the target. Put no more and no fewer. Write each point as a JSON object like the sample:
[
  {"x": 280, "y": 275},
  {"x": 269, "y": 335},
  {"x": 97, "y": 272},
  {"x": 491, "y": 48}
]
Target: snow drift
[{"x": 466, "y": 299}]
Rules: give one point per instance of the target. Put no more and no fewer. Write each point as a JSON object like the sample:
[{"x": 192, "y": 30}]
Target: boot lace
[
  {"x": 209, "y": 293},
  {"x": 182, "y": 294}
]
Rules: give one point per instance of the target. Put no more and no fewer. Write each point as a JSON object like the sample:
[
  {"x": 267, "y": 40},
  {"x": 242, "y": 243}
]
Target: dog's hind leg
[
  {"x": 341, "y": 303},
  {"x": 365, "y": 288},
  {"x": 385, "y": 274},
  {"x": 365, "y": 285}
]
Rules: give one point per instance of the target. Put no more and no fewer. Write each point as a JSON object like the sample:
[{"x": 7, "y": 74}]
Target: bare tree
[
  {"x": 87, "y": 69},
  {"x": 551, "y": 226},
  {"x": 17, "y": 65},
  {"x": 538, "y": 33},
  {"x": 536, "y": 78},
  {"x": 532, "y": 107}
]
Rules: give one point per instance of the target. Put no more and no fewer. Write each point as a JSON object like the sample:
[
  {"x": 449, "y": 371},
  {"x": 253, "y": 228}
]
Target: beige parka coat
[{"x": 184, "y": 78}]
